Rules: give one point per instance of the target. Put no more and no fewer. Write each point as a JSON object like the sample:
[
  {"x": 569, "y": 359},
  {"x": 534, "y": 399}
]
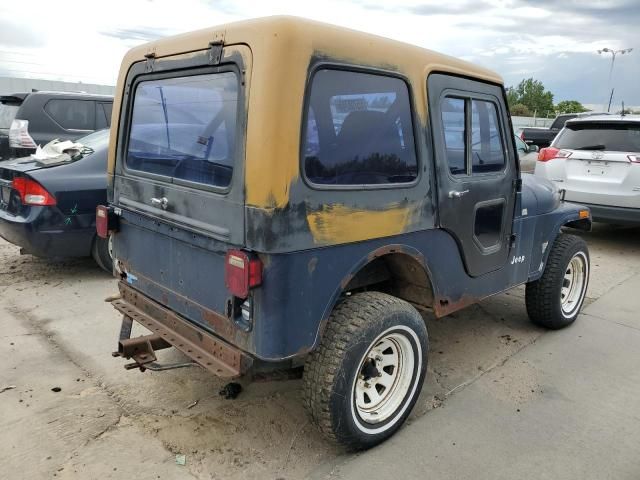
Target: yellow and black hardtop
[{"x": 279, "y": 56}]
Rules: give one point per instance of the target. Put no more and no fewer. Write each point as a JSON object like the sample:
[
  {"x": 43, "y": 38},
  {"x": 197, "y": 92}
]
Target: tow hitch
[{"x": 142, "y": 350}]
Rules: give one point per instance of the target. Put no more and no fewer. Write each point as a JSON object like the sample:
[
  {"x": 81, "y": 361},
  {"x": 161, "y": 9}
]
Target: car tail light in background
[
  {"x": 19, "y": 135},
  {"x": 549, "y": 153},
  {"x": 522, "y": 135},
  {"x": 634, "y": 158},
  {"x": 242, "y": 271},
  {"x": 106, "y": 221},
  {"x": 32, "y": 193}
]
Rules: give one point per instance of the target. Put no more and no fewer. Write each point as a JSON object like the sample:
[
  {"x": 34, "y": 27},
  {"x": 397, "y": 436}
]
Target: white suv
[{"x": 596, "y": 161}]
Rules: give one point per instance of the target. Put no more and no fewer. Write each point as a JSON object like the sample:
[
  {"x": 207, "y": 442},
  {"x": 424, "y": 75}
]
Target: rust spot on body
[{"x": 446, "y": 306}]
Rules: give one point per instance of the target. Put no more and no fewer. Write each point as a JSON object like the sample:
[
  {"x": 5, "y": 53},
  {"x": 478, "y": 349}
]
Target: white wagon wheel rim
[
  {"x": 384, "y": 378},
  {"x": 573, "y": 283}
]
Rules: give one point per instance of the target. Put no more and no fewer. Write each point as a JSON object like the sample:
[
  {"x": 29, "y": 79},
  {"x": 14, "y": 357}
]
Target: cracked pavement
[{"x": 106, "y": 422}]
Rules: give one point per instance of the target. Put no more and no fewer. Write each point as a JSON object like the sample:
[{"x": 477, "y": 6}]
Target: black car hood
[{"x": 539, "y": 195}]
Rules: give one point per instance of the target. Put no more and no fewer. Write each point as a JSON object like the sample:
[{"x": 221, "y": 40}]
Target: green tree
[
  {"x": 512, "y": 97},
  {"x": 570, "y": 106},
  {"x": 520, "y": 110},
  {"x": 532, "y": 94}
]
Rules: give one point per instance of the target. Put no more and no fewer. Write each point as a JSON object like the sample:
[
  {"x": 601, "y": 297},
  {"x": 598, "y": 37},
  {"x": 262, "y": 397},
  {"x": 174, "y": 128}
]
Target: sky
[{"x": 553, "y": 41}]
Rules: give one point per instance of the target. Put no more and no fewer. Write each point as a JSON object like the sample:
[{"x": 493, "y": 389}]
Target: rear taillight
[
  {"x": 19, "y": 135},
  {"x": 549, "y": 153},
  {"x": 634, "y": 158},
  {"x": 106, "y": 221},
  {"x": 242, "y": 271},
  {"x": 522, "y": 135},
  {"x": 32, "y": 193}
]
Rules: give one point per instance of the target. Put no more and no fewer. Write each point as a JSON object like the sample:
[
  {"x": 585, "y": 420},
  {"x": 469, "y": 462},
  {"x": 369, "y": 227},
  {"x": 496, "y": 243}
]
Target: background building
[{"x": 10, "y": 85}]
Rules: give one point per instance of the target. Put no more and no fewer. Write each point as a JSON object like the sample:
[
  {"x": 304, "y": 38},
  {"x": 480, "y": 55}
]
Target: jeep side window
[
  {"x": 72, "y": 114},
  {"x": 453, "y": 121},
  {"x": 487, "y": 150},
  {"x": 486, "y": 141},
  {"x": 358, "y": 130}
]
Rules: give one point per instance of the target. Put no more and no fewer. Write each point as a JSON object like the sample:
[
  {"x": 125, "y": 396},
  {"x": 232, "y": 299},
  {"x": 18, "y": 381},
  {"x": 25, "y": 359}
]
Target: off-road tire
[
  {"x": 332, "y": 370},
  {"x": 101, "y": 255},
  {"x": 543, "y": 296}
]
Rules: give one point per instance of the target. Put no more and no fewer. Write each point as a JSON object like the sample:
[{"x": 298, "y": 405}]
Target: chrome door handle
[
  {"x": 457, "y": 194},
  {"x": 160, "y": 202}
]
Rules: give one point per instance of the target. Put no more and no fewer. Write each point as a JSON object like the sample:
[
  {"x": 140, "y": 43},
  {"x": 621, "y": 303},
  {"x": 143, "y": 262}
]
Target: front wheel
[
  {"x": 363, "y": 380},
  {"x": 554, "y": 300}
]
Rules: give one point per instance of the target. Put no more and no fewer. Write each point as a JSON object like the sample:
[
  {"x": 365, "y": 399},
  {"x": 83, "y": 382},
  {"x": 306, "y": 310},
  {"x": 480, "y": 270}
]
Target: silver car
[{"x": 527, "y": 154}]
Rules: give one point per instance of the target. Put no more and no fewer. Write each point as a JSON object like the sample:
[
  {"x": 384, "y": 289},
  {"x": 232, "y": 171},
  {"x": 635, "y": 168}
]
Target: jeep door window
[
  {"x": 487, "y": 152},
  {"x": 358, "y": 130},
  {"x": 485, "y": 142},
  {"x": 72, "y": 114},
  {"x": 454, "y": 125},
  {"x": 184, "y": 128}
]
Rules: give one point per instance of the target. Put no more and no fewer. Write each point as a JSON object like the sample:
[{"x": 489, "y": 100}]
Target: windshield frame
[{"x": 239, "y": 126}]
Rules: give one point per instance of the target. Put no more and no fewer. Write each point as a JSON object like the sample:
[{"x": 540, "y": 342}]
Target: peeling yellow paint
[{"x": 334, "y": 224}]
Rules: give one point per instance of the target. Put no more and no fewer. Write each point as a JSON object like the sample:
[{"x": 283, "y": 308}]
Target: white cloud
[{"x": 74, "y": 40}]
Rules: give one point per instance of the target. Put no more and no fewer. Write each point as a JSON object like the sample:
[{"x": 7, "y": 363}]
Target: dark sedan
[{"x": 50, "y": 210}]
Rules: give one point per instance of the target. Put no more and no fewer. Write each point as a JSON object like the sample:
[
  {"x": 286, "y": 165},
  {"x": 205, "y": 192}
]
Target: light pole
[{"x": 613, "y": 59}]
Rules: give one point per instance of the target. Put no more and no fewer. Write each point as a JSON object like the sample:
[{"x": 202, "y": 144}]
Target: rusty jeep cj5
[{"x": 284, "y": 193}]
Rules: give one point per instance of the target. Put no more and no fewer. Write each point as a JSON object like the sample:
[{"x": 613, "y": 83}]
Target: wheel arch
[
  {"x": 399, "y": 270},
  {"x": 572, "y": 219}
]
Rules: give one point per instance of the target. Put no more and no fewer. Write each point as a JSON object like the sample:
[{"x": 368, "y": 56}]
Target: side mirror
[{"x": 533, "y": 148}]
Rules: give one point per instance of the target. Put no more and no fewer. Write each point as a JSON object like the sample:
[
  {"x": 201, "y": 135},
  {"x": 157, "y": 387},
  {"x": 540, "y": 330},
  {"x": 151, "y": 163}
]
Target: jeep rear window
[
  {"x": 623, "y": 137},
  {"x": 185, "y": 127},
  {"x": 358, "y": 130}
]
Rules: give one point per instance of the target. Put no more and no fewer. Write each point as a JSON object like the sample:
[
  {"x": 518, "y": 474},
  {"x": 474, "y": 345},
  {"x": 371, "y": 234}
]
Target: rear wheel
[
  {"x": 102, "y": 253},
  {"x": 554, "y": 300},
  {"x": 365, "y": 377}
]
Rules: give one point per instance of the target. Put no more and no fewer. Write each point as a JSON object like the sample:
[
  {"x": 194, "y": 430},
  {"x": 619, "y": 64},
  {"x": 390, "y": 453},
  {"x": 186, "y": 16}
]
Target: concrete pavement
[
  {"x": 565, "y": 407},
  {"x": 110, "y": 423}
]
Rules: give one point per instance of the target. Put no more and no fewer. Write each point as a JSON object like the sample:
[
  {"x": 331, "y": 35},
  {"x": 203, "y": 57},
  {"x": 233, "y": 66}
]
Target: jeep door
[{"x": 476, "y": 168}]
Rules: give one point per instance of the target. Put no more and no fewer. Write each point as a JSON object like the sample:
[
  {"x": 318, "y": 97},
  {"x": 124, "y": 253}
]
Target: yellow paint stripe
[{"x": 335, "y": 224}]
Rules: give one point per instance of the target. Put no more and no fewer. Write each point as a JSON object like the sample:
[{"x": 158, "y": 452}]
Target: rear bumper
[
  {"x": 31, "y": 234},
  {"x": 204, "y": 348},
  {"x": 615, "y": 215}
]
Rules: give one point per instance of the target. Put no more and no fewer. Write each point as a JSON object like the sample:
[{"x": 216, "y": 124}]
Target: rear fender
[{"x": 357, "y": 267}]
